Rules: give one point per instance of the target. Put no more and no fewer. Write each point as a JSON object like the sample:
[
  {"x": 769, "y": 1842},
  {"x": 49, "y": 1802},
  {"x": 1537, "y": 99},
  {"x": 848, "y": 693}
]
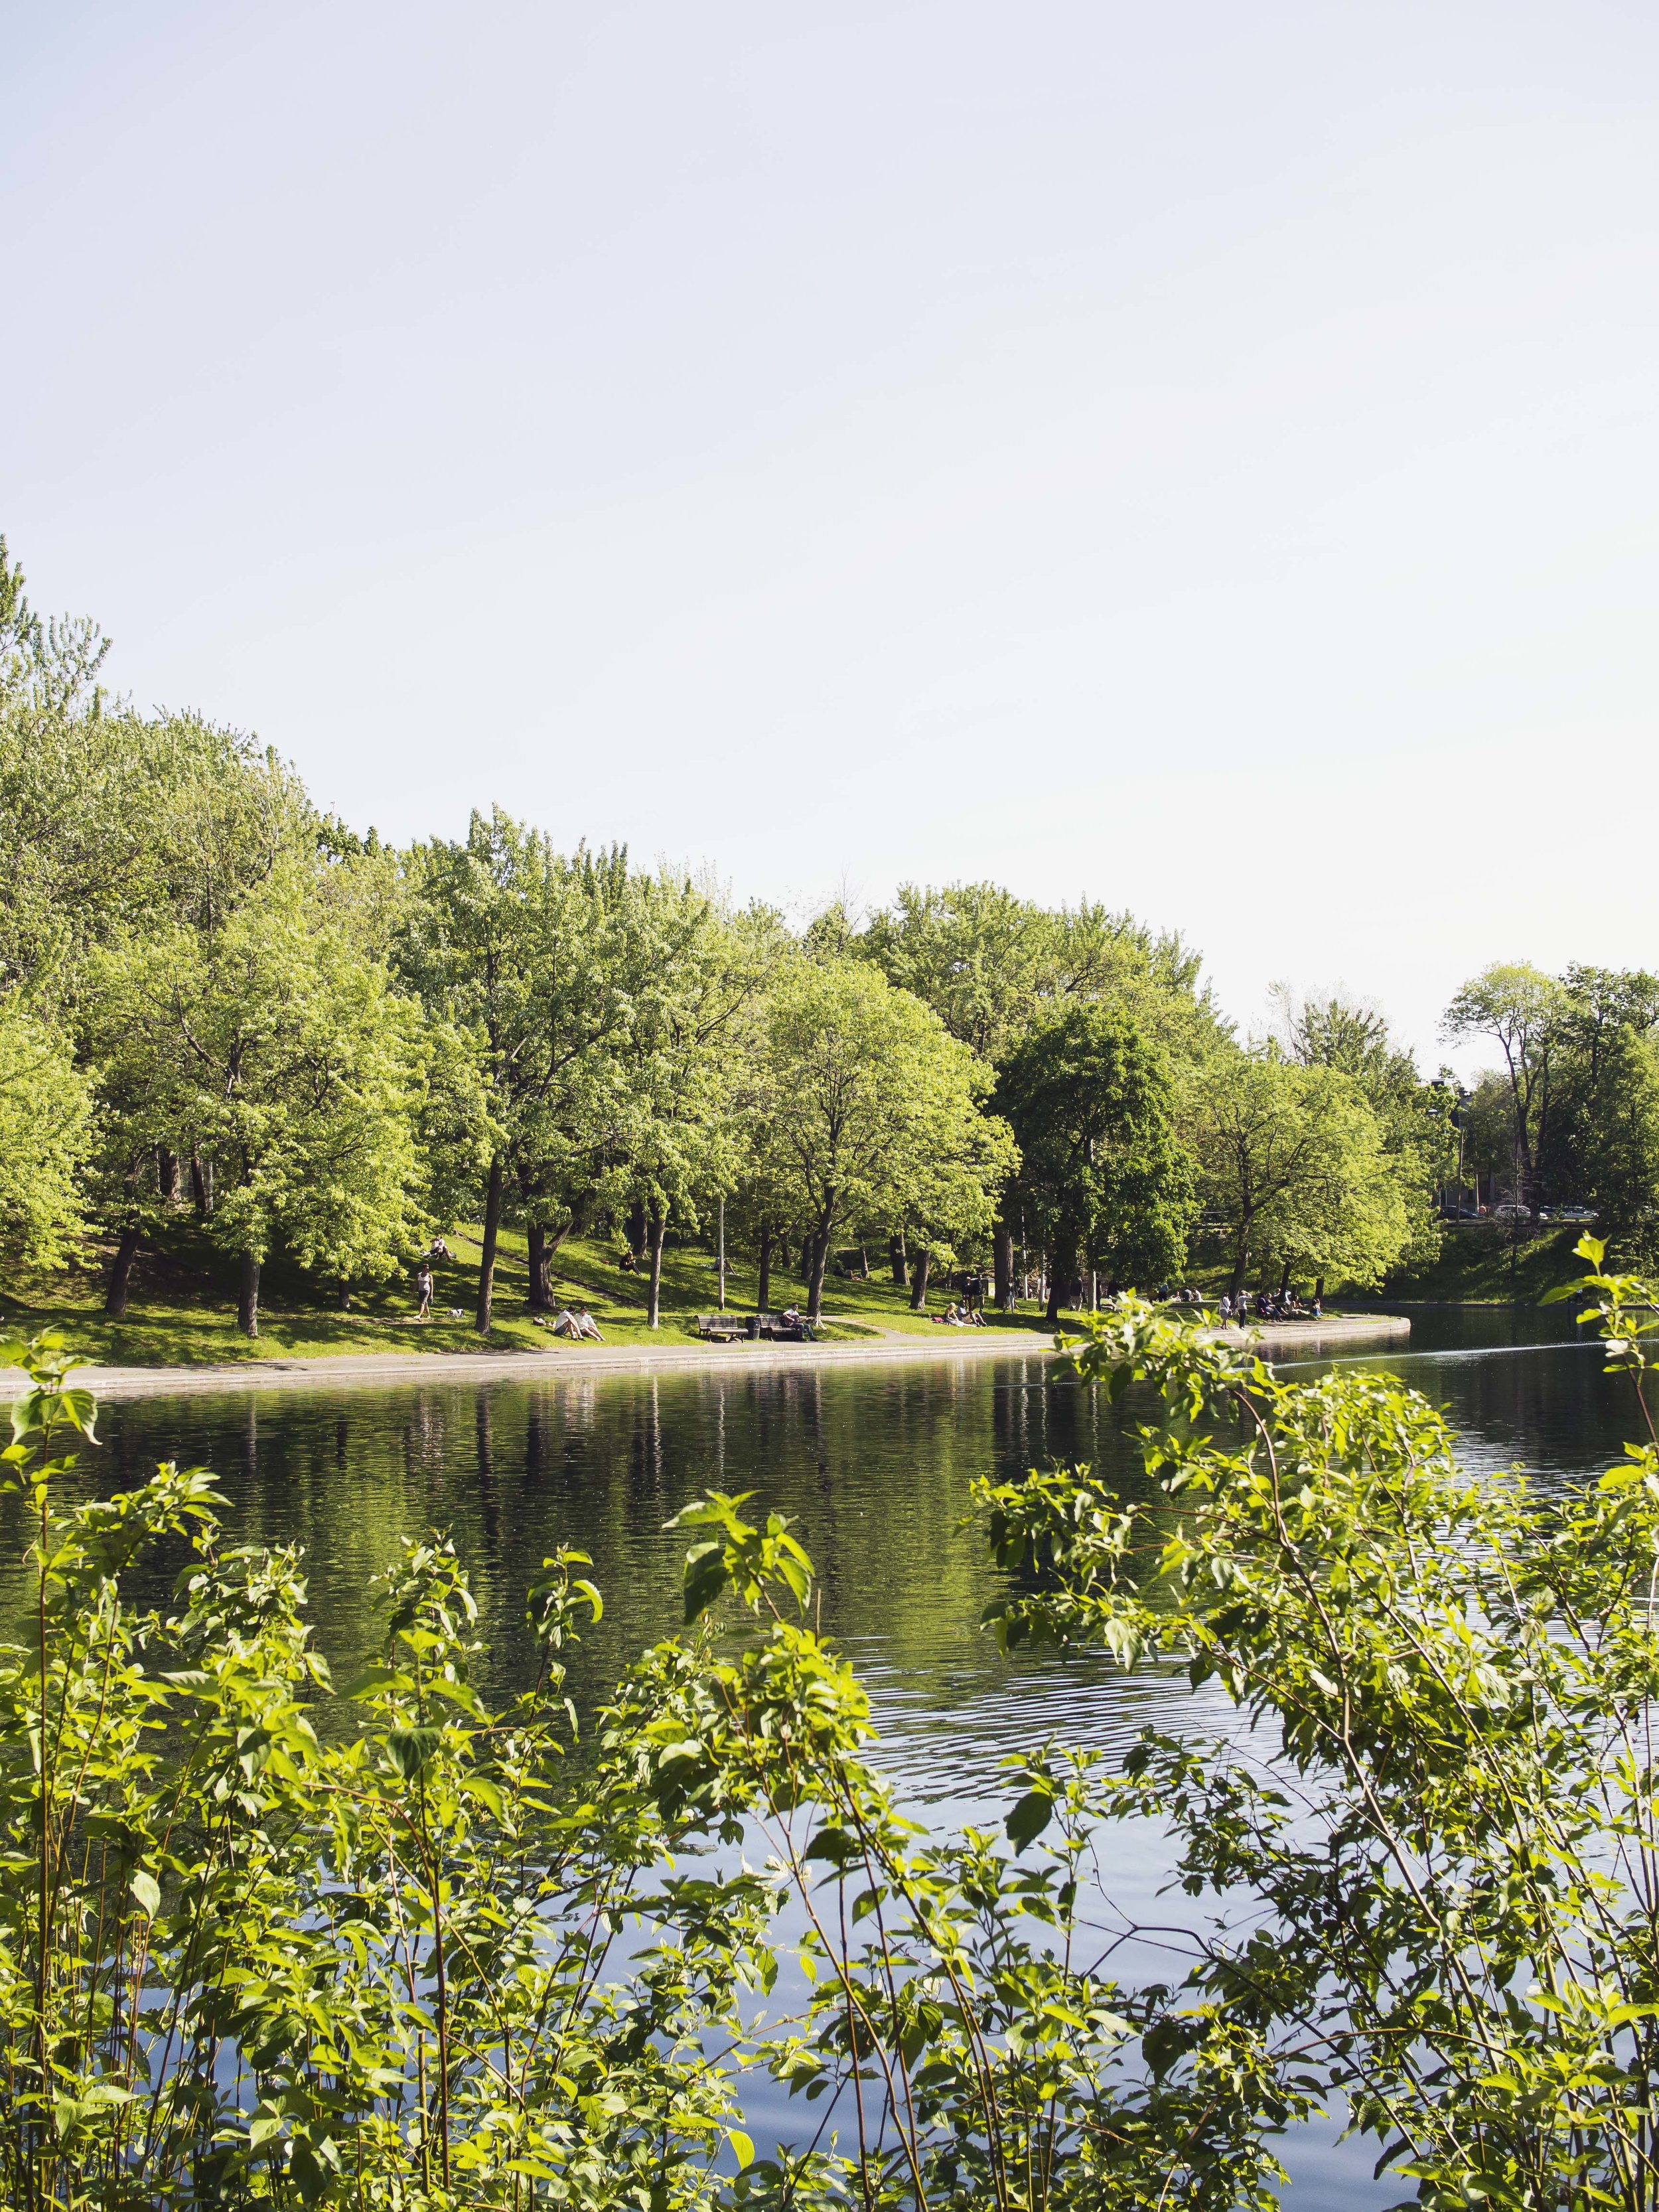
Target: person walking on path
[{"x": 423, "y": 1289}]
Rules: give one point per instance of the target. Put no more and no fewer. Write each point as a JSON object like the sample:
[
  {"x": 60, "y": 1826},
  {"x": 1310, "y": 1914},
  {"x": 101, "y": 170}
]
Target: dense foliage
[
  {"x": 262, "y": 1944},
  {"x": 1570, "y": 1117}
]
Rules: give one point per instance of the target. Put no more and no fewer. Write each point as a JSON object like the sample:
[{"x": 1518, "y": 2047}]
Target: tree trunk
[
  {"x": 763, "y": 1287},
  {"x": 492, "y": 1229},
  {"x": 919, "y": 1274},
  {"x": 201, "y": 1184},
  {"x": 120, "y": 1273},
  {"x": 1285, "y": 1278},
  {"x": 1062, "y": 1273},
  {"x": 1240, "y": 1261},
  {"x": 1002, "y": 1266},
  {"x": 820, "y": 1258},
  {"x": 636, "y": 1231},
  {"x": 166, "y": 1175},
  {"x": 896, "y": 1259},
  {"x": 541, "y": 1269},
  {"x": 1319, "y": 1292},
  {"x": 659, "y": 1232},
  {"x": 247, "y": 1305},
  {"x": 345, "y": 1298}
]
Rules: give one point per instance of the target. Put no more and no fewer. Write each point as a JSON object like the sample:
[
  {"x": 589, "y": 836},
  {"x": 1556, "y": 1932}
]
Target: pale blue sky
[{"x": 1179, "y": 455}]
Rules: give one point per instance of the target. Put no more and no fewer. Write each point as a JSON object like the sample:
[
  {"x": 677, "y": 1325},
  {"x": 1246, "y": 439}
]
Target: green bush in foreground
[{"x": 439, "y": 1961}]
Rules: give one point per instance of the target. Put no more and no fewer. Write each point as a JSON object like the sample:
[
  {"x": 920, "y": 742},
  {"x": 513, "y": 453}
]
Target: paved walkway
[{"x": 581, "y": 1361}]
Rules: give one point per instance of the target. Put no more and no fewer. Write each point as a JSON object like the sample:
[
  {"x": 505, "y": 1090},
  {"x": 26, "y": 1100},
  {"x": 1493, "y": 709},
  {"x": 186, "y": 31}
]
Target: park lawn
[{"x": 182, "y": 1308}]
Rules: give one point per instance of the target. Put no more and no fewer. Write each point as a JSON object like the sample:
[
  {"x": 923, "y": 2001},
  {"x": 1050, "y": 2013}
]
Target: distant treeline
[{"x": 215, "y": 997}]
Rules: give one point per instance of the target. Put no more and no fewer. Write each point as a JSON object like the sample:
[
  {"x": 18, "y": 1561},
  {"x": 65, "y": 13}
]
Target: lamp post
[{"x": 720, "y": 1260}]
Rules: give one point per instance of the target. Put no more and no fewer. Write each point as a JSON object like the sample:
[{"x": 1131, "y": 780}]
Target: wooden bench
[{"x": 722, "y": 1327}]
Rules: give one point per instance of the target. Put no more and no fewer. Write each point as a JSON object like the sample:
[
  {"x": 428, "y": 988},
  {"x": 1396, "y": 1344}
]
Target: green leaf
[
  {"x": 706, "y": 1576},
  {"x": 1029, "y": 1817},
  {"x": 835, "y": 1844},
  {"x": 743, "y": 2147},
  {"x": 410, "y": 1750},
  {"x": 148, "y": 1891},
  {"x": 372, "y": 1679}
]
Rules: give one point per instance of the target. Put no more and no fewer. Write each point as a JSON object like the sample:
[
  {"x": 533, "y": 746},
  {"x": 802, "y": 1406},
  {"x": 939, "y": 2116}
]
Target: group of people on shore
[
  {"x": 1268, "y": 1306},
  {"x": 960, "y": 1315}
]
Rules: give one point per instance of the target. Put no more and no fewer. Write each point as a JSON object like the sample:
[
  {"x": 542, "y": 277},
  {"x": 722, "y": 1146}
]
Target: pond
[{"x": 874, "y": 1463}]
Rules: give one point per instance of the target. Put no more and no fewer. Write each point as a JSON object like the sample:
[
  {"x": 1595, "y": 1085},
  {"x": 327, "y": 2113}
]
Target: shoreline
[{"x": 580, "y": 1363}]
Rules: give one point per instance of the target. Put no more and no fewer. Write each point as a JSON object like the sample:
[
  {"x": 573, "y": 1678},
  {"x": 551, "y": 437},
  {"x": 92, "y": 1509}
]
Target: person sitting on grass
[
  {"x": 972, "y": 1317},
  {"x": 564, "y": 1323},
  {"x": 587, "y": 1326}
]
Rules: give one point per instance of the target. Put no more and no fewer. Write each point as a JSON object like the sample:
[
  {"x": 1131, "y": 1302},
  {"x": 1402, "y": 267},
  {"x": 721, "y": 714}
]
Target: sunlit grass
[{"x": 182, "y": 1309}]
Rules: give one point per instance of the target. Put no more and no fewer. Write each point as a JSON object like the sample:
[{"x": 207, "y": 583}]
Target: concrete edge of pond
[{"x": 578, "y": 1363}]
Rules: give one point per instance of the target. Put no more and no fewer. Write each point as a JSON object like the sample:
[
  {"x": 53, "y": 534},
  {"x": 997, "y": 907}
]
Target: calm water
[{"x": 875, "y": 1463}]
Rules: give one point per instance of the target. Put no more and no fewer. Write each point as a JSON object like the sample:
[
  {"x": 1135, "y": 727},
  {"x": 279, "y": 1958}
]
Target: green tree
[
  {"x": 680, "y": 1130},
  {"x": 283, "y": 1054},
  {"x": 1520, "y": 1008},
  {"x": 44, "y": 1140},
  {"x": 1603, "y": 1010},
  {"x": 1415, "y": 1117},
  {"x": 1104, "y": 1180},
  {"x": 991, "y": 965},
  {"x": 1294, "y": 1166},
  {"x": 546, "y": 959},
  {"x": 1618, "y": 1118},
  {"x": 110, "y": 821},
  {"x": 870, "y": 1109}
]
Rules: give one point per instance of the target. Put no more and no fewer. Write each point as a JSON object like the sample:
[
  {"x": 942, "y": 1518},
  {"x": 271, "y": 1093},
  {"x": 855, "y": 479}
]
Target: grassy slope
[
  {"x": 1485, "y": 1262},
  {"x": 182, "y": 1307}
]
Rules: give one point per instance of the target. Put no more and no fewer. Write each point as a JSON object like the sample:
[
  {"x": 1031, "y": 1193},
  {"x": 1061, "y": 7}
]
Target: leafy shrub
[{"x": 434, "y": 1961}]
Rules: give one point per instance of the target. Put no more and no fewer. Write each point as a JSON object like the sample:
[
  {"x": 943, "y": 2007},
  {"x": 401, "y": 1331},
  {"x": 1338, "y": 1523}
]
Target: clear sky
[{"x": 1202, "y": 456}]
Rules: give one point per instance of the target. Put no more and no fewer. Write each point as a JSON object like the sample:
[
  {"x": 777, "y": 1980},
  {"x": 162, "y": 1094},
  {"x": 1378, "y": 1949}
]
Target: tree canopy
[
  {"x": 1104, "y": 1180},
  {"x": 1296, "y": 1172}
]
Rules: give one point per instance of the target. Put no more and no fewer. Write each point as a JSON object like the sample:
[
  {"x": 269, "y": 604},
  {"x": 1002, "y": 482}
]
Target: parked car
[
  {"x": 1573, "y": 1214},
  {"x": 1510, "y": 1211}
]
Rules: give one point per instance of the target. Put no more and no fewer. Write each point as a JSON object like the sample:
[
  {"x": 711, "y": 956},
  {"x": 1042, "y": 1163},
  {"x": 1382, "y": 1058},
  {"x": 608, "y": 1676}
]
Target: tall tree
[
  {"x": 1104, "y": 1180},
  {"x": 1295, "y": 1166},
  {"x": 1618, "y": 1122},
  {"x": 680, "y": 1127},
  {"x": 276, "y": 1049},
  {"x": 544, "y": 959},
  {"x": 1603, "y": 1011},
  {"x": 872, "y": 1108},
  {"x": 1415, "y": 1117},
  {"x": 1519, "y": 1009}
]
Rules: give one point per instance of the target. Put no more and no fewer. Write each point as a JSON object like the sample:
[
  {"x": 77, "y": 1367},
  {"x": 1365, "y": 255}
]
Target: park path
[{"x": 582, "y": 1361}]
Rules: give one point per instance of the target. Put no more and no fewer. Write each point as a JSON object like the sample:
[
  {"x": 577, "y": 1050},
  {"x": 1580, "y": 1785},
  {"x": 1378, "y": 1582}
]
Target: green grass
[
  {"x": 1488, "y": 1263},
  {"x": 182, "y": 1307}
]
